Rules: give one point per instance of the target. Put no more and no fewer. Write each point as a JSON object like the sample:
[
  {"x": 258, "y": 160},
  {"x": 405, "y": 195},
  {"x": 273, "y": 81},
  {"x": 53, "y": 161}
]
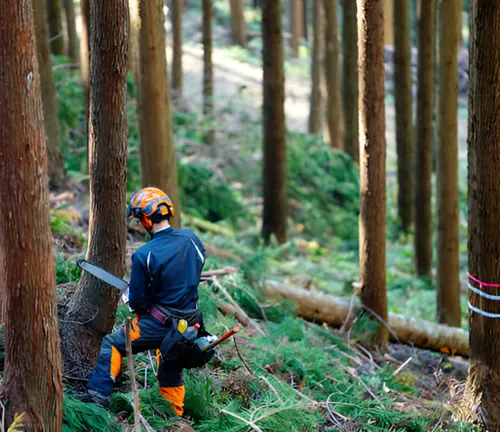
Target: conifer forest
[{"x": 250, "y": 215}]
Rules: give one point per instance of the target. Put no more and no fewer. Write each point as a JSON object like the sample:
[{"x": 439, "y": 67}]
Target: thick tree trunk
[
  {"x": 85, "y": 53},
  {"x": 238, "y": 23},
  {"x": 316, "y": 113},
  {"x": 404, "y": 108},
  {"x": 177, "y": 9},
  {"x": 388, "y": 24},
  {"x": 274, "y": 172},
  {"x": 73, "y": 50},
  {"x": 350, "y": 79},
  {"x": 296, "y": 25},
  {"x": 482, "y": 393},
  {"x": 32, "y": 375},
  {"x": 333, "y": 109},
  {"x": 372, "y": 161},
  {"x": 423, "y": 161},
  {"x": 49, "y": 102},
  {"x": 156, "y": 115},
  {"x": 448, "y": 285},
  {"x": 91, "y": 313},
  {"x": 320, "y": 307},
  {"x": 55, "y": 25},
  {"x": 208, "y": 71}
]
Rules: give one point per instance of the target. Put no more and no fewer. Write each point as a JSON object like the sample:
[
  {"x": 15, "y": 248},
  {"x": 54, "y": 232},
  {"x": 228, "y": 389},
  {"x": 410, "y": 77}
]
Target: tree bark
[
  {"x": 156, "y": 115},
  {"x": 91, "y": 311},
  {"x": 350, "y": 80},
  {"x": 448, "y": 285},
  {"x": 372, "y": 161},
  {"x": 32, "y": 375},
  {"x": 273, "y": 122},
  {"x": 388, "y": 24},
  {"x": 238, "y": 23},
  {"x": 333, "y": 109},
  {"x": 85, "y": 54},
  {"x": 404, "y": 108},
  {"x": 177, "y": 9},
  {"x": 72, "y": 51},
  {"x": 316, "y": 113},
  {"x": 50, "y": 114},
  {"x": 55, "y": 25},
  {"x": 296, "y": 25},
  {"x": 423, "y": 162},
  {"x": 320, "y": 307},
  {"x": 208, "y": 72},
  {"x": 482, "y": 394}
]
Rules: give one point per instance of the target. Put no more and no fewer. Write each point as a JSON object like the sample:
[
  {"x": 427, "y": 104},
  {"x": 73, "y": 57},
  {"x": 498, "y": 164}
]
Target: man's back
[{"x": 166, "y": 271}]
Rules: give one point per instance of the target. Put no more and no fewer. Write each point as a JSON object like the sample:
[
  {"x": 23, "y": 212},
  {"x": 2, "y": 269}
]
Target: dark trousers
[{"x": 146, "y": 334}]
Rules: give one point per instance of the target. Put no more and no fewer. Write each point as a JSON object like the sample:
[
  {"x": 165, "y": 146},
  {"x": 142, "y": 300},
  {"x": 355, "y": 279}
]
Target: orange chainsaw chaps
[{"x": 175, "y": 395}]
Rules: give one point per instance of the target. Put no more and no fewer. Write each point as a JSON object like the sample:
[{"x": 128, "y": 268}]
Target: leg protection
[{"x": 175, "y": 395}]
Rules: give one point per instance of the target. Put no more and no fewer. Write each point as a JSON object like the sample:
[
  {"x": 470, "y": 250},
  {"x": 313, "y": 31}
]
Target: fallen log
[{"x": 333, "y": 310}]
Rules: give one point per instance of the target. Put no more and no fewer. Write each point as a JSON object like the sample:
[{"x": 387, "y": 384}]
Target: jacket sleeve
[
  {"x": 139, "y": 280},
  {"x": 196, "y": 261}
]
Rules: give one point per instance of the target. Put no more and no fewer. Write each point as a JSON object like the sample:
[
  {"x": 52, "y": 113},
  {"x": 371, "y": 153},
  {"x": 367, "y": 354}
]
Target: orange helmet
[{"x": 150, "y": 205}]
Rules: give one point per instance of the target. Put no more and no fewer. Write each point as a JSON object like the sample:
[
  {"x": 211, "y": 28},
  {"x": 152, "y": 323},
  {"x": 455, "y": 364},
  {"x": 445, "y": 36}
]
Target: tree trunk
[
  {"x": 448, "y": 285},
  {"x": 91, "y": 313},
  {"x": 482, "y": 393},
  {"x": 55, "y": 25},
  {"x": 273, "y": 122},
  {"x": 208, "y": 71},
  {"x": 388, "y": 24},
  {"x": 320, "y": 307},
  {"x": 49, "y": 102},
  {"x": 423, "y": 162},
  {"x": 238, "y": 23},
  {"x": 333, "y": 109},
  {"x": 32, "y": 375},
  {"x": 85, "y": 54},
  {"x": 316, "y": 113},
  {"x": 72, "y": 50},
  {"x": 404, "y": 108},
  {"x": 296, "y": 25},
  {"x": 156, "y": 115},
  {"x": 372, "y": 161},
  {"x": 177, "y": 9},
  {"x": 350, "y": 79}
]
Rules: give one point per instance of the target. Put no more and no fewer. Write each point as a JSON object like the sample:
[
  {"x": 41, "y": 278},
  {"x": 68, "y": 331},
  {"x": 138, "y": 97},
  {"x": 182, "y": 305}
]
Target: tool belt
[{"x": 175, "y": 348}]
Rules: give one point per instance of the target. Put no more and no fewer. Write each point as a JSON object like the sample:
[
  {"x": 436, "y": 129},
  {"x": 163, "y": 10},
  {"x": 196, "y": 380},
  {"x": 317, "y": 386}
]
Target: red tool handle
[{"x": 221, "y": 339}]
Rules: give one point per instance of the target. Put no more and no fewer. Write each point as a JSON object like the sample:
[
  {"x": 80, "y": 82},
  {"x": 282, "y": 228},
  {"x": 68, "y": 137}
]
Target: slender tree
[
  {"x": 156, "y": 116},
  {"x": 32, "y": 374},
  {"x": 49, "y": 102},
  {"x": 333, "y": 108},
  {"x": 388, "y": 24},
  {"x": 350, "y": 79},
  {"x": 85, "y": 52},
  {"x": 177, "y": 9},
  {"x": 296, "y": 25},
  {"x": 208, "y": 70},
  {"x": 274, "y": 174},
  {"x": 404, "y": 114},
  {"x": 423, "y": 161},
  {"x": 480, "y": 401},
  {"x": 372, "y": 161},
  {"x": 91, "y": 312},
  {"x": 238, "y": 23},
  {"x": 448, "y": 285},
  {"x": 316, "y": 113},
  {"x": 54, "y": 20},
  {"x": 72, "y": 49}
]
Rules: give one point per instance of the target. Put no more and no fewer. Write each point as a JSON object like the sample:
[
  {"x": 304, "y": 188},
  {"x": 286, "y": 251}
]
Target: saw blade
[{"x": 103, "y": 275}]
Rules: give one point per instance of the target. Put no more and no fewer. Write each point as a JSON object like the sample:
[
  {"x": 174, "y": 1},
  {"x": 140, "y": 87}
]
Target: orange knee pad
[{"x": 175, "y": 395}]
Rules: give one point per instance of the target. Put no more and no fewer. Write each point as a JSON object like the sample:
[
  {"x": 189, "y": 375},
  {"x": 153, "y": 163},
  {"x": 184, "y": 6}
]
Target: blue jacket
[{"x": 166, "y": 271}]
